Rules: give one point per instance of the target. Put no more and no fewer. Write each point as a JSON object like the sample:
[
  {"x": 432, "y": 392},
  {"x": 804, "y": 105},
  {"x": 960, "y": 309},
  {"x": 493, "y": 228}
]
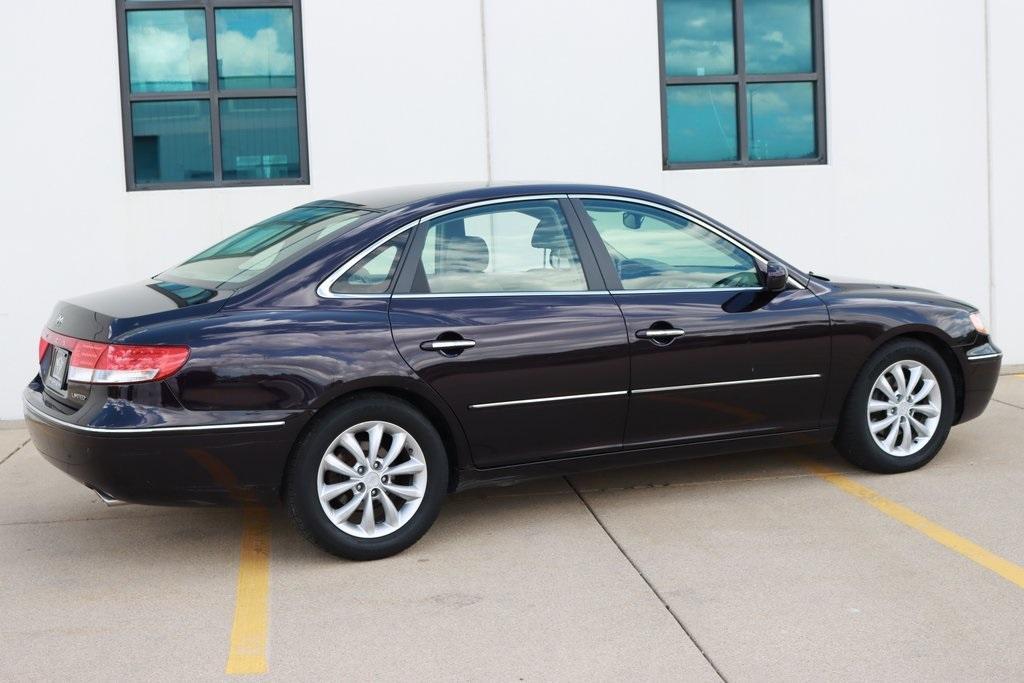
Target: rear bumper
[
  {"x": 165, "y": 462},
  {"x": 981, "y": 372}
]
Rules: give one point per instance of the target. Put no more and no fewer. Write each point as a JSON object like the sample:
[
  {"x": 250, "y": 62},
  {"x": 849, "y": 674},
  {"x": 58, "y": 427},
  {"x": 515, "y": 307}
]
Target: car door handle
[
  {"x": 659, "y": 333},
  {"x": 447, "y": 345}
]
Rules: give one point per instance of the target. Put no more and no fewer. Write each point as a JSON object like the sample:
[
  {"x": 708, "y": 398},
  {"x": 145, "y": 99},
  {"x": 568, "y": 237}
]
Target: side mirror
[{"x": 776, "y": 276}]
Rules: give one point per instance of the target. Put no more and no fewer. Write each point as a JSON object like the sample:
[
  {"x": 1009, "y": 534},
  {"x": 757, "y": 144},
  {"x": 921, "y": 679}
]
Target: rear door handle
[{"x": 448, "y": 347}]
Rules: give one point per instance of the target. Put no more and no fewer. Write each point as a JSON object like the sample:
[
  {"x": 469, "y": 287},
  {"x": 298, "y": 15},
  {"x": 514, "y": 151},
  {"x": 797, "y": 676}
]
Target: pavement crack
[
  {"x": 1012, "y": 405},
  {"x": 8, "y": 456},
  {"x": 646, "y": 580}
]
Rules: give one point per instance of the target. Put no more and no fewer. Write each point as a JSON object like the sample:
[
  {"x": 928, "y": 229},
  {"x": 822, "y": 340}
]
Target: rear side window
[
  {"x": 513, "y": 247},
  {"x": 654, "y": 249},
  {"x": 374, "y": 273}
]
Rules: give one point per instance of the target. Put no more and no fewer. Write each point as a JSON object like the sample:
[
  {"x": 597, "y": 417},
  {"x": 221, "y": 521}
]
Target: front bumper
[
  {"x": 164, "y": 462},
  {"x": 981, "y": 366}
]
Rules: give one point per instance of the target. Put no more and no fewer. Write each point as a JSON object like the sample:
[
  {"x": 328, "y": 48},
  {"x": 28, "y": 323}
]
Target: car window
[
  {"x": 514, "y": 247},
  {"x": 374, "y": 272},
  {"x": 265, "y": 246},
  {"x": 654, "y": 249}
]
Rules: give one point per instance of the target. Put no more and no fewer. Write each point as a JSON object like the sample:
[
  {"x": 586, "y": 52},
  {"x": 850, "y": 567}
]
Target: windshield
[{"x": 260, "y": 248}]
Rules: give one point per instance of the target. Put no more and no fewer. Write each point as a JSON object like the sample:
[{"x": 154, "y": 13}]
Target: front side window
[
  {"x": 654, "y": 249},
  {"x": 743, "y": 83},
  {"x": 515, "y": 247},
  {"x": 212, "y": 93}
]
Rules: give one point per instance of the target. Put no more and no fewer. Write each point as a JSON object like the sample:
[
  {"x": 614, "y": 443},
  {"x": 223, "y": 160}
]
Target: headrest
[
  {"x": 466, "y": 254},
  {"x": 550, "y": 233}
]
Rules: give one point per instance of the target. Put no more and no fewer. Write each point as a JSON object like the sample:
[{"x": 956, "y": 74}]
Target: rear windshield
[{"x": 263, "y": 247}]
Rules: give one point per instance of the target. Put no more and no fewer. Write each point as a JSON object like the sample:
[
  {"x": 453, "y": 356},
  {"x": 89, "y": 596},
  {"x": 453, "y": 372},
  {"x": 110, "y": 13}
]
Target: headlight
[{"x": 978, "y": 323}]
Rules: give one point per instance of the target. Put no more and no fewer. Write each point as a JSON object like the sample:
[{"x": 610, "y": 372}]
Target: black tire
[
  {"x": 301, "y": 493},
  {"x": 854, "y": 439}
]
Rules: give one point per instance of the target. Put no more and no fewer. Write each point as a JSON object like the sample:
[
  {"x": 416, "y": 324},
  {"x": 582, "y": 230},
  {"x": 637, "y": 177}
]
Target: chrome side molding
[{"x": 146, "y": 430}]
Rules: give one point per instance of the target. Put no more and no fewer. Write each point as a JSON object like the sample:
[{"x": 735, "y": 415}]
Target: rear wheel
[
  {"x": 900, "y": 409},
  {"x": 367, "y": 480}
]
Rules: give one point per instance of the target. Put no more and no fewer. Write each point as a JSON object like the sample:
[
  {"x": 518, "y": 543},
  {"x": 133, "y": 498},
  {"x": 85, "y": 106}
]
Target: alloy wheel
[
  {"x": 904, "y": 407},
  {"x": 371, "y": 479}
]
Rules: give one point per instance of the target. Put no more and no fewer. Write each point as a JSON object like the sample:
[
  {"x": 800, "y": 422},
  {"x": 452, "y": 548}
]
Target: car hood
[{"x": 855, "y": 286}]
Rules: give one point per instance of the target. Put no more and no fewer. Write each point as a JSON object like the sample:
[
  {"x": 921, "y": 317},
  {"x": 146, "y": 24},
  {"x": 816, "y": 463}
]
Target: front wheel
[
  {"x": 899, "y": 410},
  {"x": 367, "y": 480}
]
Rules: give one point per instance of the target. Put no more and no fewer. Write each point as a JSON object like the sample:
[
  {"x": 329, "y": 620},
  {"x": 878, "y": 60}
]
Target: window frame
[
  {"x": 740, "y": 80},
  {"x": 213, "y": 94}
]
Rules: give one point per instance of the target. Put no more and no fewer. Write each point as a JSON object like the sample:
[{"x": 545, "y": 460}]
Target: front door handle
[
  {"x": 656, "y": 333},
  {"x": 660, "y": 333}
]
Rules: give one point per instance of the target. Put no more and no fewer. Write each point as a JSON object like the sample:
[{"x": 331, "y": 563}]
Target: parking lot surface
[{"x": 776, "y": 565}]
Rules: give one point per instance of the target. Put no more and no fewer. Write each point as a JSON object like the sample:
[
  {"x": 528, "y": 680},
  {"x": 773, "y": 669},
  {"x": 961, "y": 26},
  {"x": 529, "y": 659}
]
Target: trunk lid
[{"x": 107, "y": 315}]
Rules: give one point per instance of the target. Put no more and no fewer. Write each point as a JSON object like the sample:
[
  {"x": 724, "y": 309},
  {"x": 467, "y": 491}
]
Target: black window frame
[
  {"x": 740, "y": 79},
  {"x": 213, "y": 94}
]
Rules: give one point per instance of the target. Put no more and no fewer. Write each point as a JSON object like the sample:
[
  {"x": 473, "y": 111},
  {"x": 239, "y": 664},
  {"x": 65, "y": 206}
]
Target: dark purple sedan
[{"x": 361, "y": 357}]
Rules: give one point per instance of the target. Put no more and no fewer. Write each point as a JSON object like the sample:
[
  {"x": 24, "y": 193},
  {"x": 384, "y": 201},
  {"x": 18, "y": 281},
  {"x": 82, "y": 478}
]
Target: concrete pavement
[{"x": 745, "y": 567}]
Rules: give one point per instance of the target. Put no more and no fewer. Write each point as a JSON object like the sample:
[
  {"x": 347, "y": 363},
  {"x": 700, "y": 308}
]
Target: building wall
[{"x": 396, "y": 93}]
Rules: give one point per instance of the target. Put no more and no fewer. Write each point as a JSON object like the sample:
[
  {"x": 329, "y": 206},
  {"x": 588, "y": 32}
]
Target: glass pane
[
  {"x": 777, "y": 35},
  {"x": 653, "y": 249},
  {"x": 701, "y": 123},
  {"x": 264, "y": 247},
  {"x": 518, "y": 247},
  {"x": 259, "y": 138},
  {"x": 373, "y": 274},
  {"x": 255, "y": 48},
  {"x": 781, "y": 120},
  {"x": 167, "y": 50},
  {"x": 698, "y": 37},
  {"x": 171, "y": 141}
]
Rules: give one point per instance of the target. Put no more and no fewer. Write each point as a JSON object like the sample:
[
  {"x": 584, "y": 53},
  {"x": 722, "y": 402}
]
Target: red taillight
[
  {"x": 43, "y": 345},
  {"x": 99, "y": 363}
]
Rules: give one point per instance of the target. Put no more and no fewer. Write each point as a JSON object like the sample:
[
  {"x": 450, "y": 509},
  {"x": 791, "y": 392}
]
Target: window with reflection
[
  {"x": 742, "y": 83},
  {"x": 213, "y": 93}
]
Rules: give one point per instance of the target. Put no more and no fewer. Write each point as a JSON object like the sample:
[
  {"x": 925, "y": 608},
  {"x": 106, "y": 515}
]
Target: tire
[
  {"x": 856, "y": 440},
  {"x": 326, "y": 495}
]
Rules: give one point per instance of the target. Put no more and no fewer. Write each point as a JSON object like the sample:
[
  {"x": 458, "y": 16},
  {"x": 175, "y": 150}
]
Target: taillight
[
  {"x": 99, "y": 363},
  {"x": 43, "y": 345}
]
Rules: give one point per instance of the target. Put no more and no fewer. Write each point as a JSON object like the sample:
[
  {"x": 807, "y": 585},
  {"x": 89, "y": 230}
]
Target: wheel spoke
[
  {"x": 353, "y": 447},
  {"x": 332, "y": 463},
  {"x": 406, "y": 492},
  {"x": 915, "y": 377},
  {"x": 397, "y": 444},
  {"x": 878, "y": 406},
  {"x": 926, "y": 389},
  {"x": 883, "y": 385},
  {"x": 927, "y": 409},
  {"x": 346, "y": 510},
  {"x": 907, "y": 440},
  {"x": 332, "y": 491},
  {"x": 366, "y": 523},
  {"x": 901, "y": 380},
  {"x": 408, "y": 467},
  {"x": 920, "y": 427},
  {"x": 890, "y": 438},
  {"x": 375, "y": 434},
  {"x": 390, "y": 511},
  {"x": 882, "y": 424}
]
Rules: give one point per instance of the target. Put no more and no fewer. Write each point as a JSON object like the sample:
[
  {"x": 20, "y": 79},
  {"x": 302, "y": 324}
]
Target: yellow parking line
[
  {"x": 248, "y": 654},
  {"x": 972, "y": 551}
]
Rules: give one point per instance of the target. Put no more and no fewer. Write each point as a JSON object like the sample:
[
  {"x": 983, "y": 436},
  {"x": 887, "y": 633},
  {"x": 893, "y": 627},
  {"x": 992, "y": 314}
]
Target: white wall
[
  {"x": 1006, "y": 112},
  {"x": 395, "y": 94}
]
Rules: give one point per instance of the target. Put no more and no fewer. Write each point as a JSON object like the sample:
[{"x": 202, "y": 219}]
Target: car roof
[{"x": 459, "y": 192}]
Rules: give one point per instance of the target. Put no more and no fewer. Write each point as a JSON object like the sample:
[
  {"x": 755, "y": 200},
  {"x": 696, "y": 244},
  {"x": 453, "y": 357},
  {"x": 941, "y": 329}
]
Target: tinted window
[
  {"x": 653, "y": 249},
  {"x": 514, "y": 247},
  {"x": 260, "y": 248},
  {"x": 374, "y": 273}
]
